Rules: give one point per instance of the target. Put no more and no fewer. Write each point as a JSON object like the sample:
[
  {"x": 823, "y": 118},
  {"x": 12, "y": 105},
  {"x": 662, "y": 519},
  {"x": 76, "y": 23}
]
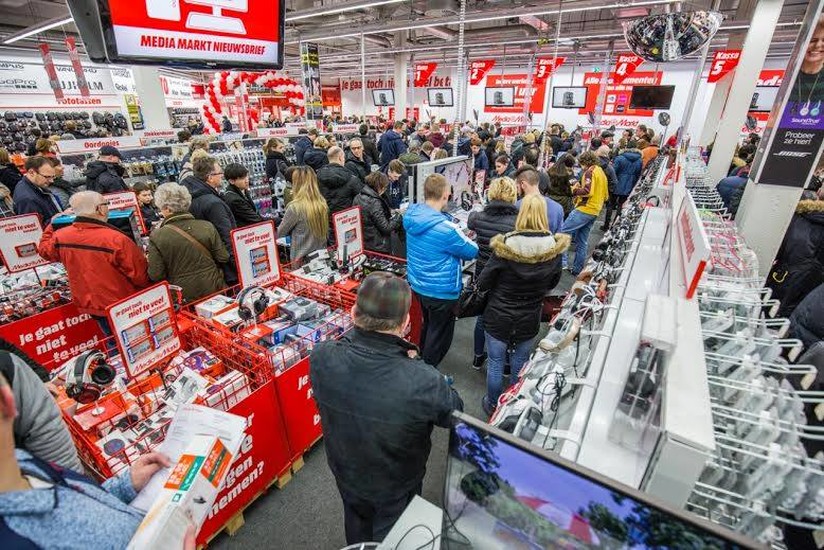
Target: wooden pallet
[{"x": 297, "y": 465}]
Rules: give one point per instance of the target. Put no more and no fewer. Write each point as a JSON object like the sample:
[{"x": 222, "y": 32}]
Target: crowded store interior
[{"x": 411, "y": 275}]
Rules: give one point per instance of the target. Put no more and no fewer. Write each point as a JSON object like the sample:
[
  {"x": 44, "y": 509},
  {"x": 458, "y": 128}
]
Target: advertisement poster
[
  {"x": 301, "y": 417},
  {"x": 618, "y": 95},
  {"x": 797, "y": 132},
  {"x": 145, "y": 329},
  {"x": 19, "y": 236},
  {"x": 310, "y": 68},
  {"x": 127, "y": 200},
  {"x": 348, "y": 232},
  {"x": 256, "y": 254},
  {"x": 519, "y": 82}
]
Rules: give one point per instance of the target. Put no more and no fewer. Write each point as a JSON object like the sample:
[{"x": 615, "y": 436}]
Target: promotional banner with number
[
  {"x": 723, "y": 63},
  {"x": 546, "y": 66},
  {"x": 625, "y": 65},
  {"x": 478, "y": 70},
  {"x": 422, "y": 73}
]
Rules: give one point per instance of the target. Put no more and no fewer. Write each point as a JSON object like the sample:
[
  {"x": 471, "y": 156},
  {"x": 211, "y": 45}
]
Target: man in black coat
[
  {"x": 356, "y": 161},
  {"x": 377, "y": 442},
  {"x": 207, "y": 204},
  {"x": 105, "y": 175},
  {"x": 237, "y": 195},
  {"x": 338, "y": 185},
  {"x": 370, "y": 150},
  {"x": 304, "y": 143}
]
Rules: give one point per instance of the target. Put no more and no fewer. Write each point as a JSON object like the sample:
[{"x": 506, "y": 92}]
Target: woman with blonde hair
[
  {"x": 276, "y": 162},
  {"x": 525, "y": 264},
  {"x": 306, "y": 220},
  {"x": 438, "y": 154},
  {"x": 497, "y": 217}
]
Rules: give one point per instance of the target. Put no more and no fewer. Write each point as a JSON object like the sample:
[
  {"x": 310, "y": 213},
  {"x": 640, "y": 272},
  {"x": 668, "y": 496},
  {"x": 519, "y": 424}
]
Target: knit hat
[
  {"x": 384, "y": 296},
  {"x": 110, "y": 150}
]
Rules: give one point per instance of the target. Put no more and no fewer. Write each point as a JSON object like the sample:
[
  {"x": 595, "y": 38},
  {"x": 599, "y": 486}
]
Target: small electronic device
[
  {"x": 383, "y": 98},
  {"x": 252, "y": 302},
  {"x": 573, "y": 97},
  {"x": 500, "y": 97},
  {"x": 440, "y": 97},
  {"x": 87, "y": 376}
]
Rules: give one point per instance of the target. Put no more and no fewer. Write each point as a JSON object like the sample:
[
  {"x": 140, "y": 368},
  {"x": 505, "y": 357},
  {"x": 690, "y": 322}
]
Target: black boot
[{"x": 479, "y": 361}]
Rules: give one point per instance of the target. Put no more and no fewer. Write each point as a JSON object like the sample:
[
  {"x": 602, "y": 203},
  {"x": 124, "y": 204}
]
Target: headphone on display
[
  {"x": 252, "y": 302},
  {"x": 88, "y": 376}
]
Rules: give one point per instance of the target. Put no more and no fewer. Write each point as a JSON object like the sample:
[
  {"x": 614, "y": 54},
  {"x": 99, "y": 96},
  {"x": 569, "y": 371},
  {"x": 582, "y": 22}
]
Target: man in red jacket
[{"x": 104, "y": 265}]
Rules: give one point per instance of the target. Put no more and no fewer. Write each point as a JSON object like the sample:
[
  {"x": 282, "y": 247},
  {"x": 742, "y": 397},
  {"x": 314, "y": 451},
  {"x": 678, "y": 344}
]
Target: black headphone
[
  {"x": 91, "y": 375},
  {"x": 252, "y": 302}
]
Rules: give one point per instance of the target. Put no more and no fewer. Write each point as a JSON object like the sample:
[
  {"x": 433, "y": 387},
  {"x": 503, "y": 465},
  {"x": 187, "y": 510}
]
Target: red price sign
[
  {"x": 423, "y": 71},
  {"x": 723, "y": 63},
  {"x": 546, "y": 66},
  {"x": 478, "y": 70},
  {"x": 626, "y": 64}
]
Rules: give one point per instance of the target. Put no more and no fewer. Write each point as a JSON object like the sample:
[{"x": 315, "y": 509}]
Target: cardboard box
[
  {"x": 214, "y": 306},
  {"x": 200, "y": 360},
  {"x": 229, "y": 319}
]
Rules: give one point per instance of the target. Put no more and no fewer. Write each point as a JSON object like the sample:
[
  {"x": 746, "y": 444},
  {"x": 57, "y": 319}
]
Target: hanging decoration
[{"x": 224, "y": 83}]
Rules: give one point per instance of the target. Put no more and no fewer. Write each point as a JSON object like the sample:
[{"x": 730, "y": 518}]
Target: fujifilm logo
[{"x": 11, "y": 66}]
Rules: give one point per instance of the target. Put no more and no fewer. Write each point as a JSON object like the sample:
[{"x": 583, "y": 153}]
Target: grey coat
[{"x": 303, "y": 241}]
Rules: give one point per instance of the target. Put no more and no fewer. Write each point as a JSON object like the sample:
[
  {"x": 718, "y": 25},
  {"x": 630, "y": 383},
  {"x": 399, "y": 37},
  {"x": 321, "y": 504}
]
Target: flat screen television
[
  {"x": 440, "y": 97},
  {"x": 383, "y": 98},
  {"x": 502, "y": 492},
  {"x": 500, "y": 97},
  {"x": 651, "y": 97},
  {"x": 763, "y": 99},
  {"x": 573, "y": 97}
]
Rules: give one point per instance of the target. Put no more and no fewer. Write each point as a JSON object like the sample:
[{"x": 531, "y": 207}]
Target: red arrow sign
[
  {"x": 723, "y": 62},
  {"x": 546, "y": 66},
  {"x": 422, "y": 73},
  {"x": 478, "y": 70},
  {"x": 625, "y": 65}
]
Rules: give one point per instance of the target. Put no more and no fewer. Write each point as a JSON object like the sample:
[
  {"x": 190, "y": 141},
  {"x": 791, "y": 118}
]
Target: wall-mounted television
[
  {"x": 440, "y": 97},
  {"x": 573, "y": 97},
  {"x": 651, "y": 97},
  {"x": 383, "y": 98},
  {"x": 500, "y": 97},
  {"x": 763, "y": 99}
]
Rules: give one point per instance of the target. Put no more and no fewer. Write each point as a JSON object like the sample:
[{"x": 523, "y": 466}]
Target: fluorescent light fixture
[
  {"x": 37, "y": 29},
  {"x": 340, "y": 9}
]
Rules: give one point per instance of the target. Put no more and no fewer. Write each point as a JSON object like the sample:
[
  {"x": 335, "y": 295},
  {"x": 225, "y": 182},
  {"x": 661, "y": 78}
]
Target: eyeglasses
[
  {"x": 45, "y": 176},
  {"x": 216, "y": 174},
  {"x": 104, "y": 203},
  {"x": 356, "y": 148}
]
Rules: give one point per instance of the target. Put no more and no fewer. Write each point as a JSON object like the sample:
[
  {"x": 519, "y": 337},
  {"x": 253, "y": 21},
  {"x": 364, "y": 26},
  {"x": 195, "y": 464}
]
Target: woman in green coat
[{"x": 184, "y": 251}]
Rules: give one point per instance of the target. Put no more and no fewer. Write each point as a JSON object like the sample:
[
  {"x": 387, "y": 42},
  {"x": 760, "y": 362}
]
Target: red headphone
[{"x": 89, "y": 377}]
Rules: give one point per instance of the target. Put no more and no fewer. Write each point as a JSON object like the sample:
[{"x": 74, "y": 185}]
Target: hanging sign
[
  {"x": 723, "y": 63},
  {"x": 74, "y": 57},
  {"x": 625, "y": 65},
  {"x": 51, "y": 72},
  {"x": 546, "y": 66},
  {"x": 348, "y": 232},
  {"x": 478, "y": 70},
  {"x": 256, "y": 254},
  {"x": 19, "y": 237},
  {"x": 127, "y": 200},
  {"x": 312, "y": 91},
  {"x": 422, "y": 73}
]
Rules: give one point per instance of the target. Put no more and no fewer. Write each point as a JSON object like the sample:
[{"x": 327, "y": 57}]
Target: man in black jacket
[
  {"x": 369, "y": 149},
  {"x": 304, "y": 143},
  {"x": 32, "y": 195},
  {"x": 207, "y": 204},
  {"x": 105, "y": 175},
  {"x": 378, "y": 440},
  {"x": 237, "y": 195},
  {"x": 338, "y": 185},
  {"x": 356, "y": 160}
]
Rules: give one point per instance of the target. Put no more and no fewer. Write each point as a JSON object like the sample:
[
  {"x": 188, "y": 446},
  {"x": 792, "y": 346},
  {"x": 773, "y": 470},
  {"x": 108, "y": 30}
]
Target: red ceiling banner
[
  {"x": 478, "y": 70},
  {"x": 74, "y": 56},
  {"x": 422, "y": 73},
  {"x": 723, "y": 62},
  {"x": 546, "y": 66},
  {"x": 625, "y": 65}
]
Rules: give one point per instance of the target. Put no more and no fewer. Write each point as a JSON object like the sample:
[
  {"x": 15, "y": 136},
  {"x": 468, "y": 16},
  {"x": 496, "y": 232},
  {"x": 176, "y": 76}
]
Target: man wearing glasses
[{"x": 32, "y": 195}]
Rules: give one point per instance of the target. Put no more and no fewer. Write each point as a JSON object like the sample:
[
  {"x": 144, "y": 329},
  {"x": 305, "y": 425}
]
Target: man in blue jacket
[
  {"x": 628, "y": 166},
  {"x": 32, "y": 195},
  {"x": 304, "y": 143},
  {"x": 435, "y": 248},
  {"x": 391, "y": 144}
]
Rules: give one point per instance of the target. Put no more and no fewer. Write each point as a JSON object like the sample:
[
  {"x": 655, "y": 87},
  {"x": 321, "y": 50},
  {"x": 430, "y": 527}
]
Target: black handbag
[{"x": 471, "y": 303}]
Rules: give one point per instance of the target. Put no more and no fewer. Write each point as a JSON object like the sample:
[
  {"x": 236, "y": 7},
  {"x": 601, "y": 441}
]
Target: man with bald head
[{"x": 103, "y": 264}]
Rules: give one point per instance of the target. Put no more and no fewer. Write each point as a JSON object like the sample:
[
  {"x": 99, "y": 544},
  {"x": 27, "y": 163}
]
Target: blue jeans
[
  {"x": 480, "y": 337},
  {"x": 577, "y": 226},
  {"x": 108, "y": 335},
  {"x": 497, "y": 350}
]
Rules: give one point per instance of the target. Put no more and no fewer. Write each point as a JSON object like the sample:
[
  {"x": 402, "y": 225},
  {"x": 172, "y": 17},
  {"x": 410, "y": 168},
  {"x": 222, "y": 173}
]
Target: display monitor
[
  {"x": 502, "y": 492},
  {"x": 763, "y": 99},
  {"x": 208, "y": 34},
  {"x": 651, "y": 97},
  {"x": 500, "y": 97},
  {"x": 383, "y": 98},
  {"x": 440, "y": 97},
  {"x": 458, "y": 172},
  {"x": 569, "y": 97}
]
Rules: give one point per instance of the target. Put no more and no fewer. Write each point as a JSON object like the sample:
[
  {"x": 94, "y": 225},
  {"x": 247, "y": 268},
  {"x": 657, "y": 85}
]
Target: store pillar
[
  {"x": 401, "y": 71},
  {"x": 152, "y": 100},
  {"x": 744, "y": 80}
]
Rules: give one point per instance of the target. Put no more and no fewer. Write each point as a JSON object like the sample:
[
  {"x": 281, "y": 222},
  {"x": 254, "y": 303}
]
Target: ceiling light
[
  {"x": 340, "y": 9},
  {"x": 37, "y": 29}
]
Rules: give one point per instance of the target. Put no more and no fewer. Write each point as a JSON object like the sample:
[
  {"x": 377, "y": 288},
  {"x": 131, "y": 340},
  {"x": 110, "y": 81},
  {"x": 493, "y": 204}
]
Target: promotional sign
[
  {"x": 546, "y": 67},
  {"x": 478, "y": 70},
  {"x": 256, "y": 255},
  {"x": 422, "y": 73},
  {"x": 693, "y": 243},
  {"x": 48, "y": 64},
  {"x": 144, "y": 328},
  {"x": 519, "y": 82},
  {"x": 176, "y": 88},
  {"x": 19, "y": 236},
  {"x": 274, "y": 132},
  {"x": 723, "y": 62},
  {"x": 331, "y": 96},
  {"x": 301, "y": 417},
  {"x": 310, "y": 68},
  {"x": 196, "y": 33},
  {"x": 345, "y": 128},
  {"x": 135, "y": 113},
  {"x": 127, "y": 200},
  {"x": 625, "y": 66},
  {"x": 348, "y": 232},
  {"x": 264, "y": 456},
  {"x": 94, "y": 145},
  {"x": 618, "y": 95},
  {"x": 53, "y": 337},
  {"x": 74, "y": 57}
]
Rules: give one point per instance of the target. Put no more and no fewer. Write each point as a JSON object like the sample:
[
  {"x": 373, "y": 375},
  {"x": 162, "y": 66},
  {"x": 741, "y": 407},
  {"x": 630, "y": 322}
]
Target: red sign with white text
[
  {"x": 74, "y": 56},
  {"x": 229, "y": 32},
  {"x": 478, "y": 70},
  {"x": 618, "y": 95},
  {"x": 546, "y": 66},
  {"x": 300, "y": 413},
  {"x": 519, "y": 82},
  {"x": 127, "y": 200},
  {"x": 626, "y": 65},
  {"x": 422, "y": 73},
  {"x": 723, "y": 62},
  {"x": 48, "y": 64}
]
